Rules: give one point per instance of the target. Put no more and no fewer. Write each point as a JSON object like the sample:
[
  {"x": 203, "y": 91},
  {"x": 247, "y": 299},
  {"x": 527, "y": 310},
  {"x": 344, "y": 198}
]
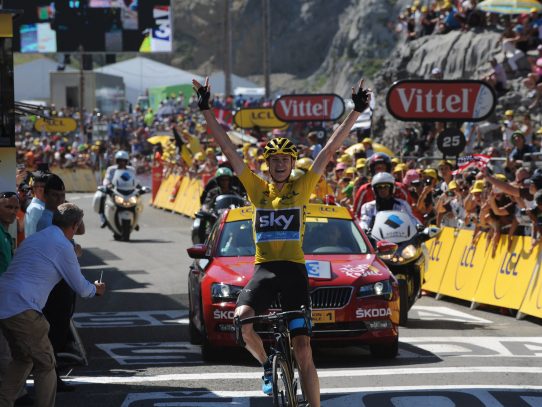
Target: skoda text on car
[{"x": 354, "y": 296}]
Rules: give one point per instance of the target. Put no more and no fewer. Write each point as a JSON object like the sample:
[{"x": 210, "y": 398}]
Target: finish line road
[{"x": 139, "y": 355}]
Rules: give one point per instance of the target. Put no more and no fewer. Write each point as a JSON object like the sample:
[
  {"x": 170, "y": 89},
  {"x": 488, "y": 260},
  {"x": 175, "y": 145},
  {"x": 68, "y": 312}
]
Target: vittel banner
[
  {"x": 411, "y": 100},
  {"x": 299, "y": 108}
]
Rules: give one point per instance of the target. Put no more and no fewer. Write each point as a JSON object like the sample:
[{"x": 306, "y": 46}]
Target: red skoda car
[{"x": 355, "y": 299}]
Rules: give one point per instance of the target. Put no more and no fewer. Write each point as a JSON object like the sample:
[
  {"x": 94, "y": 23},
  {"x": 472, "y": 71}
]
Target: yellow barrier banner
[
  {"x": 439, "y": 253},
  {"x": 465, "y": 267},
  {"x": 181, "y": 201},
  {"x": 195, "y": 190},
  {"x": 77, "y": 180},
  {"x": 532, "y": 303},
  {"x": 162, "y": 198},
  {"x": 169, "y": 203},
  {"x": 507, "y": 274}
]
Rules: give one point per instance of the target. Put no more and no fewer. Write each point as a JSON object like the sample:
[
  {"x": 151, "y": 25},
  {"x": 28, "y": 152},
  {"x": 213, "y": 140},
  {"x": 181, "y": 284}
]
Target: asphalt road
[{"x": 136, "y": 340}]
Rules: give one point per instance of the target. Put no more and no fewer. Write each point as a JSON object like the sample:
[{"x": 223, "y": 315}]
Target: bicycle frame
[{"x": 282, "y": 347}]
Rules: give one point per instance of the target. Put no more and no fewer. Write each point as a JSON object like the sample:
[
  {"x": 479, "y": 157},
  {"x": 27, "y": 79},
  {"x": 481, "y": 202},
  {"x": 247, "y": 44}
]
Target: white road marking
[
  {"x": 135, "y": 319},
  {"x": 477, "y": 346},
  {"x": 352, "y": 396},
  {"x": 322, "y": 373},
  {"x": 432, "y": 313}
]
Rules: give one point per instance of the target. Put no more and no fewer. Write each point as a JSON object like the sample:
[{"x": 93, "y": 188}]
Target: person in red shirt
[{"x": 379, "y": 162}]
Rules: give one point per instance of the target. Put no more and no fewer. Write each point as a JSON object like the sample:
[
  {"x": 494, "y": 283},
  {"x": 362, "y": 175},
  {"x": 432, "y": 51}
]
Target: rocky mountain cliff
[
  {"x": 315, "y": 44},
  {"x": 327, "y": 45}
]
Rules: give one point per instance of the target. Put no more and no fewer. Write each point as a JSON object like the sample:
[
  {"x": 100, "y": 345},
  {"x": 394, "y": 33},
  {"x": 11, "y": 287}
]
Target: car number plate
[{"x": 323, "y": 317}]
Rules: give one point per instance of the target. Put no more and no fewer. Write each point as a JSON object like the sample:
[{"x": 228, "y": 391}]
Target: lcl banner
[
  {"x": 465, "y": 100},
  {"x": 263, "y": 117},
  {"x": 317, "y": 107}
]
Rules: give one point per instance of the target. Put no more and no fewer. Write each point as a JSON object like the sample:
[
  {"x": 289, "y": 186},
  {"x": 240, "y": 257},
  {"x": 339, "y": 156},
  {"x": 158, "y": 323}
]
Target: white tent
[
  {"x": 31, "y": 79},
  {"x": 140, "y": 73},
  {"x": 218, "y": 85}
]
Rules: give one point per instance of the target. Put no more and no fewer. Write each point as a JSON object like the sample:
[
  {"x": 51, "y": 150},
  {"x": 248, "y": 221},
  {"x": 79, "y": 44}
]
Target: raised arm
[
  {"x": 220, "y": 135},
  {"x": 361, "y": 99}
]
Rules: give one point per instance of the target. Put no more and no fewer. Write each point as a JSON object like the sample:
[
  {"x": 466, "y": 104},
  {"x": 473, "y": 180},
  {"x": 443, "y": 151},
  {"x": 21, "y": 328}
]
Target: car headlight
[
  {"x": 378, "y": 289},
  {"x": 225, "y": 292},
  {"x": 409, "y": 252}
]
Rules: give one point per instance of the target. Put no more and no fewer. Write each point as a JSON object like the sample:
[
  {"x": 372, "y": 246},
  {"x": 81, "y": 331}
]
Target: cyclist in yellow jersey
[{"x": 278, "y": 226}]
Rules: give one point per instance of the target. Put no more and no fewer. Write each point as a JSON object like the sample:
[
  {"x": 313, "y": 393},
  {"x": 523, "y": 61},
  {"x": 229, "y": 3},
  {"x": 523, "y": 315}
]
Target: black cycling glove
[
  {"x": 361, "y": 100},
  {"x": 203, "y": 98}
]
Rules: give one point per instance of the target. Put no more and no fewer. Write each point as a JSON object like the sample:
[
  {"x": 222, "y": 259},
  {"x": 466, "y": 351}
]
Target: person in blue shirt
[
  {"x": 39, "y": 264},
  {"x": 37, "y": 205}
]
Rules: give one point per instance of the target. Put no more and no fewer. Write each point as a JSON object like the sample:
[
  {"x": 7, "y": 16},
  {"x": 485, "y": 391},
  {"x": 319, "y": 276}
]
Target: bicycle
[{"x": 286, "y": 392}]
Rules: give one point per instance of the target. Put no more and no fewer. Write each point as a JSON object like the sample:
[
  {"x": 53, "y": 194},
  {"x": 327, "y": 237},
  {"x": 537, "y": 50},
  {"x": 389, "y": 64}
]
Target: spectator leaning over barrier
[
  {"x": 535, "y": 214},
  {"x": 501, "y": 213},
  {"x": 40, "y": 262},
  {"x": 426, "y": 200},
  {"x": 37, "y": 205}
]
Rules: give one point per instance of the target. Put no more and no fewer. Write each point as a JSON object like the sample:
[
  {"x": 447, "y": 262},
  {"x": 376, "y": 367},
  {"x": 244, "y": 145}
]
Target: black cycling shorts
[{"x": 289, "y": 279}]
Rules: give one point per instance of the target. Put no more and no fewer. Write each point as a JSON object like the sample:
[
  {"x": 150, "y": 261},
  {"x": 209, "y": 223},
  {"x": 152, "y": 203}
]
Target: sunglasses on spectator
[{"x": 7, "y": 194}]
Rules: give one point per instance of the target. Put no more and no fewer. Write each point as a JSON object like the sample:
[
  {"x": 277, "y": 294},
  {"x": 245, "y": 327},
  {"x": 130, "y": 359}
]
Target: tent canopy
[{"x": 140, "y": 73}]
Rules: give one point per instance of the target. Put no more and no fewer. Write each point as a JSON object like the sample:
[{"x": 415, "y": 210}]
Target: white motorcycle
[
  {"x": 122, "y": 204},
  {"x": 408, "y": 261}
]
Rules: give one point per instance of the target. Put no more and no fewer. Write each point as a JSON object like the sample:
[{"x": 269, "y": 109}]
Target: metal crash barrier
[{"x": 459, "y": 268}]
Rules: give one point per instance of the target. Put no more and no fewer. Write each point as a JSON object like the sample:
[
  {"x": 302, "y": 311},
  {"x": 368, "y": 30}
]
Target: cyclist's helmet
[
  {"x": 279, "y": 145},
  {"x": 379, "y": 158},
  {"x": 383, "y": 178},
  {"x": 223, "y": 172},
  {"x": 303, "y": 164},
  {"x": 122, "y": 155}
]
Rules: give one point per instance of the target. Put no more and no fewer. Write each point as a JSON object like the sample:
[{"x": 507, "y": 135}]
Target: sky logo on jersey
[
  {"x": 278, "y": 224},
  {"x": 394, "y": 222}
]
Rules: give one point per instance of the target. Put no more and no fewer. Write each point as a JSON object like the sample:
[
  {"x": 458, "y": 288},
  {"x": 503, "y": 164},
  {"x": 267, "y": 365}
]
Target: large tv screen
[{"x": 48, "y": 26}]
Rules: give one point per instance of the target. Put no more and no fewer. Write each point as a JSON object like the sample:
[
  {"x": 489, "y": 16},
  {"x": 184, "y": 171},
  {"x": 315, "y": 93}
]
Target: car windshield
[{"x": 322, "y": 236}]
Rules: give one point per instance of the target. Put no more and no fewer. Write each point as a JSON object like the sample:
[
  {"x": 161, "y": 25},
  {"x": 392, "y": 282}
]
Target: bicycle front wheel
[{"x": 283, "y": 394}]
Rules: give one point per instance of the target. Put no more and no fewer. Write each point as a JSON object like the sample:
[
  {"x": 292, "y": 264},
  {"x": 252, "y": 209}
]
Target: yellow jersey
[{"x": 278, "y": 220}]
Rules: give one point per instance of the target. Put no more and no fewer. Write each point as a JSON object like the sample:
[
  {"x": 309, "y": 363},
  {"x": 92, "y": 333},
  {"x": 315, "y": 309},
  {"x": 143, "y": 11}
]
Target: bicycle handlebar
[{"x": 276, "y": 316}]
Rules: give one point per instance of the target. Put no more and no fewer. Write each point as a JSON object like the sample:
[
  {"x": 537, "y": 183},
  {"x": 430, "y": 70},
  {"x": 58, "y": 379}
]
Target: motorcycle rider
[
  {"x": 383, "y": 185},
  {"x": 224, "y": 177},
  {"x": 121, "y": 159},
  {"x": 378, "y": 162}
]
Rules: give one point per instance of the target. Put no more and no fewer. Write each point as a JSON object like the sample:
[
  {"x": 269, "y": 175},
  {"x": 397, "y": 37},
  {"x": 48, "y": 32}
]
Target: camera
[{"x": 428, "y": 181}]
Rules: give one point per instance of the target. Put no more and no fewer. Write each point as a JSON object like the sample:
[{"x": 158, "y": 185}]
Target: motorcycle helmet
[
  {"x": 379, "y": 158},
  {"x": 303, "y": 164},
  {"x": 383, "y": 178},
  {"x": 122, "y": 155},
  {"x": 223, "y": 172},
  {"x": 279, "y": 145}
]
